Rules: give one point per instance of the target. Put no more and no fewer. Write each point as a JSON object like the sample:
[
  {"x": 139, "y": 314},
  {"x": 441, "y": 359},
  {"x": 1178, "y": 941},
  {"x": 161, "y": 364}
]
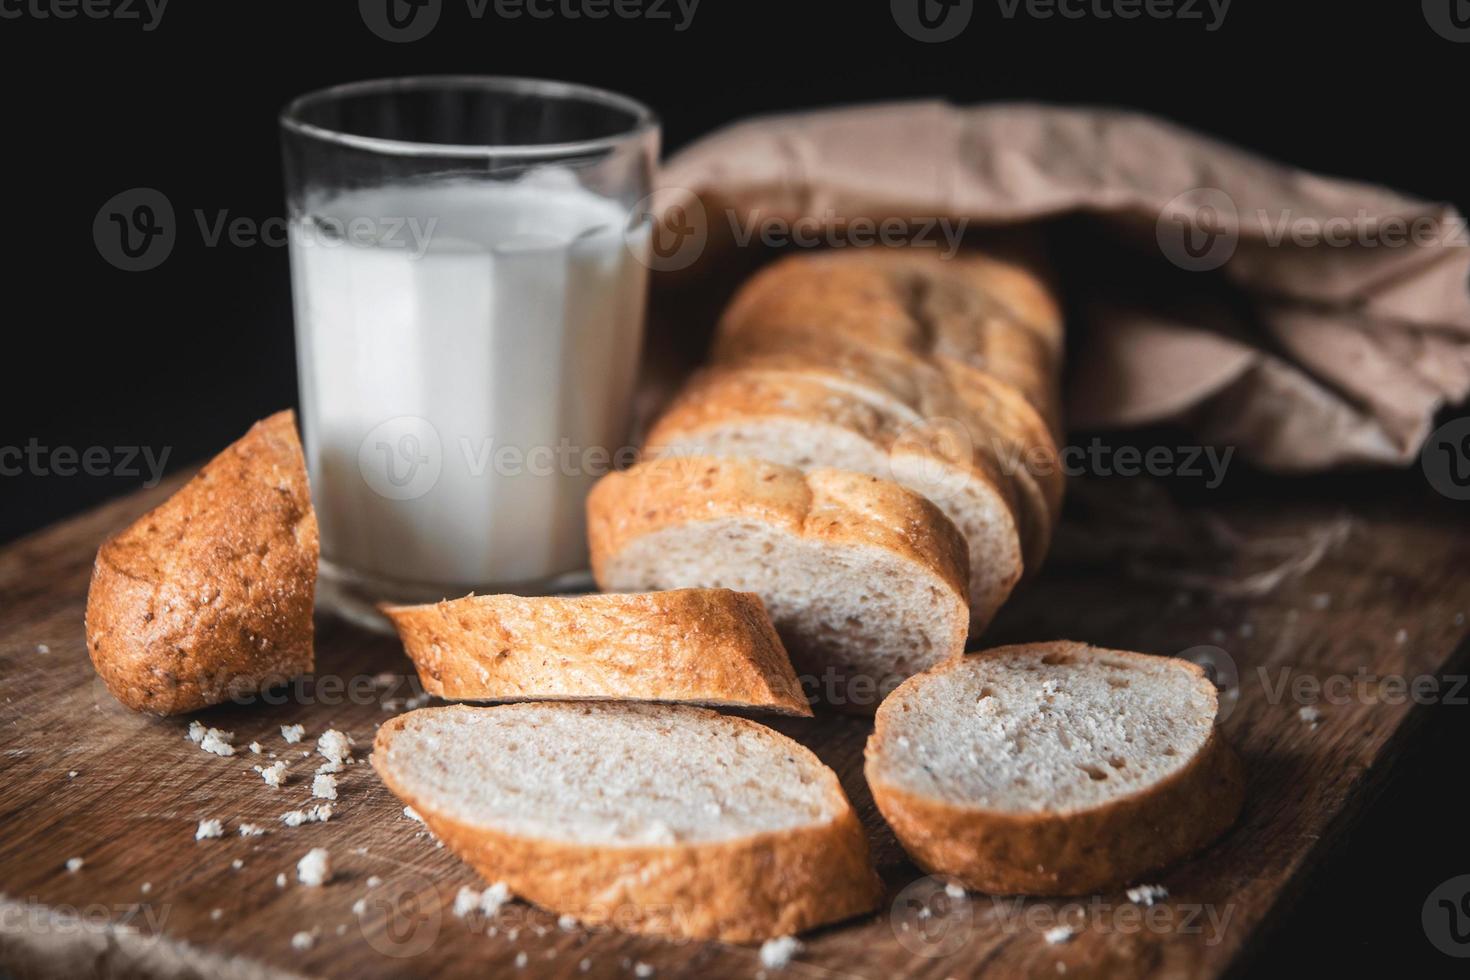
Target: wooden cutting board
[{"x": 1291, "y": 590}]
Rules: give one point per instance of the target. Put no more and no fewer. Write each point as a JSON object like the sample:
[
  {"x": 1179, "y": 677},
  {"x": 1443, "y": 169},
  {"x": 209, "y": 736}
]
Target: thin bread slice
[
  {"x": 704, "y": 646},
  {"x": 662, "y": 819},
  {"x": 1053, "y": 768},
  {"x": 801, "y": 420},
  {"x": 866, "y": 581},
  {"x": 209, "y": 595}
]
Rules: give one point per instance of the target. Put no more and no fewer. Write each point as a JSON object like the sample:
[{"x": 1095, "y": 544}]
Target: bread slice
[
  {"x": 707, "y": 646},
  {"x": 865, "y": 581},
  {"x": 1054, "y": 768},
  {"x": 661, "y": 819},
  {"x": 209, "y": 595},
  {"x": 801, "y": 419}
]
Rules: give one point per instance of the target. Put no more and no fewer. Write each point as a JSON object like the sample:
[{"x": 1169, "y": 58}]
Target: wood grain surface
[{"x": 1353, "y": 607}]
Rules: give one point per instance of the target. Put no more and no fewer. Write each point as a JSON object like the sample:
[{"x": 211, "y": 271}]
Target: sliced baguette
[
  {"x": 1054, "y": 768},
  {"x": 658, "y": 819},
  {"x": 209, "y": 595},
  {"x": 798, "y": 419},
  {"x": 705, "y": 646},
  {"x": 865, "y": 581},
  {"x": 992, "y": 315}
]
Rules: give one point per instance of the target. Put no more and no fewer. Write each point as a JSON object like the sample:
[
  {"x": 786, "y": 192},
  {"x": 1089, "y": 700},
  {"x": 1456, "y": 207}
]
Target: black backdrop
[{"x": 186, "y": 355}]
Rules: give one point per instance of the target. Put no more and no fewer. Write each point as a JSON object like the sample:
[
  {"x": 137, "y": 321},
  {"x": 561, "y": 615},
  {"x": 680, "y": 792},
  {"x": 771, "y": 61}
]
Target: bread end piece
[{"x": 210, "y": 594}]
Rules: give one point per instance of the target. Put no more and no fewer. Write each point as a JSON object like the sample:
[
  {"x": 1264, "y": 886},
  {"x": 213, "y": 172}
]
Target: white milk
[{"x": 464, "y": 375}]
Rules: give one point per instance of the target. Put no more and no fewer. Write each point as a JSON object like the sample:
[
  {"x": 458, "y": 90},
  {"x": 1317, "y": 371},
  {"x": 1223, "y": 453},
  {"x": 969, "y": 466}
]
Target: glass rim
[{"x": 643, "y": 119}]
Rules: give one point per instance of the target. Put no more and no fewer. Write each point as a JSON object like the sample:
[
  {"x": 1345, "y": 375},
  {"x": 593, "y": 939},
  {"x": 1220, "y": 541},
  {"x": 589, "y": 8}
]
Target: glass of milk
[{"x": 469, "y": 270}]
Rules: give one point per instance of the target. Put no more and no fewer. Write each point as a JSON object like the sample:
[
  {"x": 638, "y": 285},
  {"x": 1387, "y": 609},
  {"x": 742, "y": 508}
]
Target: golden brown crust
[
  {"x": 991, "y": 314},
  {"x": 740, "y": 891},
  {"x": 830, "y": 506},
  {"x": 709, "y": 646},
  {"x": 730, "y": 396},
  {"x": 1065, "y": 853},
  {"x": 210, "y": 594}
]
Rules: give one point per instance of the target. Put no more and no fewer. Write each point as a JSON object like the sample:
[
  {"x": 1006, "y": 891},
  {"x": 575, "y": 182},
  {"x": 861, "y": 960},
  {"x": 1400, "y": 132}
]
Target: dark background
[{"x": 185, "y": 356}]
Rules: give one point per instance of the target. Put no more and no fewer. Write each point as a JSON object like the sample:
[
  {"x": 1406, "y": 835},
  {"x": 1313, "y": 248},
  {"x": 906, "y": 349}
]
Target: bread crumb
[
  {"x": 72, "y": 774},
  {"x": 281, "y": 880},
  {"x": 315, "y": 869},
  {"x": 251, "y": 830},
  {"x": 256, "y": 748},
  {"x": 567, "y": 923},
  {"x": 42, "y": 648},
  {"x": 209, "y": 828},
  {"x": 374, "y": 881},
  {"x": 324, "y": 786},
  {"x": 335, "y": 747},
  {"x": 1309, "y": 715},
  {"x": 330, "y": 767},
  {"x": 74, "y": 864},
  {"x": 359, "y": 907},
  {"x": 412, "y": 814},
  {"x": 196, "y": 731},
  {"x": 216, "y": 914},
  {"x": 273, "y": 774},
  {"x": 776, "y": 953},
  {"x": 494, "y": 897},
  {"x": 218, "y": 742},
  {"x": 1061, "y": 934},
  {"x": 146, "y": 887},
  {"x": 466, "y": 900},
  {"x": 585, "y": 964},
  {"x": 320, "y": 813},
  {"x": 303, "y": 941},
  {"x": 521, "y": 958},
  {"x": 293, "y": 733},
  {"x": 1147, "y": 894},
  {"x": 237, "y": 864},
  {"x": 954, "y": 890},
  {"x": 642, "y": 970}
]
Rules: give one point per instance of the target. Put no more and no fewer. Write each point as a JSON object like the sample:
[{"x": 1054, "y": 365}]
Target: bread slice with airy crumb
[
  {"x": 661, "y": 819},
  {"x": 800, "y": 419},
  {"x": 866, "y": 581},
  {"x": 209, "y": 595},
  {"x": 704, "y": 646},
  {"x": 1053, "y": 768}
]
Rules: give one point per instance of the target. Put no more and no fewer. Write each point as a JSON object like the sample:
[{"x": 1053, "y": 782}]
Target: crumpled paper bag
[{"x": 1310, "y": 322}]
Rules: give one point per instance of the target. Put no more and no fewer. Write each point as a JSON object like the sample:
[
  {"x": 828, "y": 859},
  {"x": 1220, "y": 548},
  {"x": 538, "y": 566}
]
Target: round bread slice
[
  {"x": 801, "y": 420},
  {"x": 865, "y": 580},
  {"x": 712, "y": 647},
  {"x": 661, "y": 819},
  {"x": 1053, "y": 769}
]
